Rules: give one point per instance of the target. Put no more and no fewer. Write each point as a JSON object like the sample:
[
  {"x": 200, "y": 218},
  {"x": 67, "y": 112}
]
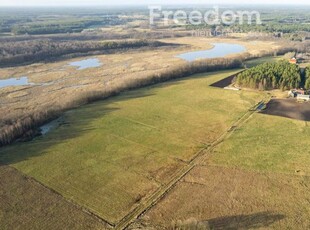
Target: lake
[
  {"x": 219, "y": 50},
  {"x": 86, "y": 63},
  {"x": 14, "y": 82}
]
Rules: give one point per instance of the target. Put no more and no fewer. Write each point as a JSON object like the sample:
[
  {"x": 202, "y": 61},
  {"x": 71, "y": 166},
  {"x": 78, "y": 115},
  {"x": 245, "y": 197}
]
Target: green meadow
[
  {"x": 111, "y": 155},
  {"x": 268, "y": 143}
]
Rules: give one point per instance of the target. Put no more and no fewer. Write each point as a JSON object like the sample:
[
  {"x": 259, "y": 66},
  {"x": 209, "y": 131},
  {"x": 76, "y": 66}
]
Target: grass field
[
  {"x": 259, "y": 61},
  {"x": 258, "y": 177},
  {"x": 268, "y": 143},
  {"x": 217, "y": 197},
  {"x": 111, "y": 155},
  {"x": 26, "y": 204}
]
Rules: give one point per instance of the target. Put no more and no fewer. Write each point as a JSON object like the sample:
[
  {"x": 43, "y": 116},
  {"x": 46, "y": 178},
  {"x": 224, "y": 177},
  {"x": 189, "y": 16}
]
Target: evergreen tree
[{"x": 266, "y": 76}]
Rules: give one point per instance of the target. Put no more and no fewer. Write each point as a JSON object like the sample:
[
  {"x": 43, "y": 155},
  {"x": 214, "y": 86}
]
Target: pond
[
  {"x": 14, "y": 82},
  {"x": 86, "y": 63},
  {"x": 44, "y": 129},
  {"x": 219, "y": 50}
]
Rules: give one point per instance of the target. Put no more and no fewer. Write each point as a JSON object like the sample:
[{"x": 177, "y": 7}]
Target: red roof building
[{"x": 293, "y": 61}]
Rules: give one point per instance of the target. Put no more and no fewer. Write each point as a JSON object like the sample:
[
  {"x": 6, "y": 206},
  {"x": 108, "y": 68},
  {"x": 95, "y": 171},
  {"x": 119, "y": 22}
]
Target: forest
[
  {"x": 292, "y": 25},
  {"x": 307, "y": 78},
  {"x": 280, "y": 75},
  {"x": 15, "y": 21},
  {"x": 38, "y": 50}
]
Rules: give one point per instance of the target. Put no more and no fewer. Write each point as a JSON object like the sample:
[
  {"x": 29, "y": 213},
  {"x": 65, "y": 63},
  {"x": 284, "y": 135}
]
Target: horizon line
[{"x": 164, "y": 4}]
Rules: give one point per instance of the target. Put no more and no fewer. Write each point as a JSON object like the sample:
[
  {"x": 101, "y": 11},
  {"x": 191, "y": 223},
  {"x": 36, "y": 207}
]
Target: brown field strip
[
  {"x": 289, "y": 108},
  {"x": 215, "y": 197},
  {"x": 27, "y": 204}
]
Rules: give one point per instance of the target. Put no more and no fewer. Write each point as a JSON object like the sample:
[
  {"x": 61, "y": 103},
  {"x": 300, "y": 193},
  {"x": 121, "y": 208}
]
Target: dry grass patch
[
  {"x": 212, "y": 197},
  {"x": 25, "y": 204}
]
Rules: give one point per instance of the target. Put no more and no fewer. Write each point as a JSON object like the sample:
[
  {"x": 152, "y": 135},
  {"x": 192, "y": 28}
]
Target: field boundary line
[
  {"x": 79, "y": 207},
  {"x": 199, "y": 157},
  {"x": 256, "y": 171},
  {"x": 155, "y": 128},
  {"x": 140, "y": 123},
  {"x": 133, "y": 142}
]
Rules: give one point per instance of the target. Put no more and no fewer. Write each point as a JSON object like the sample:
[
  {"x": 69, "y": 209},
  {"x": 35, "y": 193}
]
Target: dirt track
[{"x": 289, "y": 108}]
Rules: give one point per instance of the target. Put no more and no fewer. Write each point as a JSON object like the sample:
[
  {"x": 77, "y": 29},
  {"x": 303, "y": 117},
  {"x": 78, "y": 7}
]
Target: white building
[{"x": 301, "y": 97}]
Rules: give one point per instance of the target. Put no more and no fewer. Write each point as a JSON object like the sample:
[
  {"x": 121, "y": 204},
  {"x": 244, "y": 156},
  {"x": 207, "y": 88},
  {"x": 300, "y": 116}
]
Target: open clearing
[
  {"x": 259, "y": 61},
  {"x": 258, "y": 177},
  {"x": 289, "y": 108},
  {"x": 112, "y": 155}
]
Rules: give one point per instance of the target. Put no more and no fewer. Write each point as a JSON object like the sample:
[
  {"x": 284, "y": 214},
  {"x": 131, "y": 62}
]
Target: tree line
[
  {"x": 30, "y": 51},
  {"x": 307, "y": 78},
  {"x": 71, "y": 25}
]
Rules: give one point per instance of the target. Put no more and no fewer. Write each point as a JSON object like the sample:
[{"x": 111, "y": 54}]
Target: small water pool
[
  {"x": 14, "y": 82},
  {"x": 86, "y": 63},
  {"x": 219, "y": 50},
  {"x": 45, "y": 129}
]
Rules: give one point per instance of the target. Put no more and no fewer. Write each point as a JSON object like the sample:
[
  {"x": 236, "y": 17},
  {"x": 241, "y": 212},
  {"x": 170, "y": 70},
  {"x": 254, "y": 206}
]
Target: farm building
[
  {"x": 302, "y": 97},
  {"x": 292, "y": 93},
  {"x": 293, "y": 60},
  {"x": 299, "y": 94}
]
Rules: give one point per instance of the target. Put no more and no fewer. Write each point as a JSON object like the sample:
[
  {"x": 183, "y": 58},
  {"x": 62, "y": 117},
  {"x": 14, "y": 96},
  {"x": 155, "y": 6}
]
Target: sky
[{"x": 141, "y": 2}]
